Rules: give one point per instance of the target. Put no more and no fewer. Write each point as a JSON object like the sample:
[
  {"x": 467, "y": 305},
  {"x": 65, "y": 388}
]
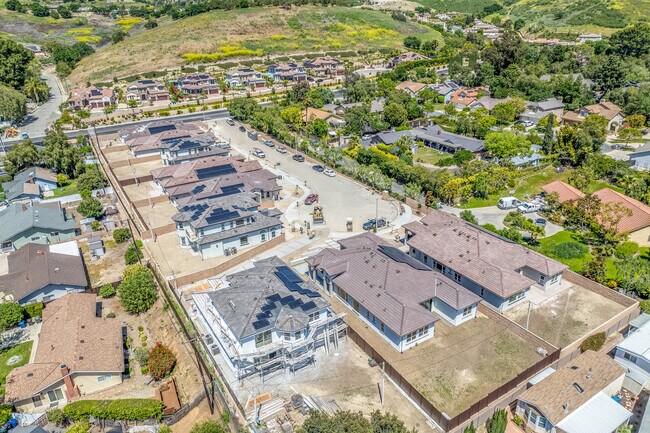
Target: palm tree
[{"x": 35, "y": 88}]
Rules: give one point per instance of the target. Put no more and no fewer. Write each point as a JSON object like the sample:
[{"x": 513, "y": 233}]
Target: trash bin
[{"x": 22, "y": 324}]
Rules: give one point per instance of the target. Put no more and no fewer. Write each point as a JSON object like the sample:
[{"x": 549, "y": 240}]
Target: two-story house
[
  {"x": 287, "y": 72},
  {"x": 30, "y": 184},
  {"x": 498, "y": 270},
  {"x": 245, "y": 77},
  {"x": 23, "y": 223},
  {"x": 225, "y": 225},
  {"x": 147, "y": 90},
  {"x": 536, "y": 111},
  {"x": 606, "y": 109},
  {"x": 409, "y": 56},
  {"x": 145, "y": 140},
  {"x": 185, "y": 149},
  {"x": 633, "y": 353},
  {"x": 325, "y": 67},
  {"x": 91, "y": 98},
  {"x": 198, "y": 84},
  {"x": 266, "y": 318},
  {"x": 395, "y": 294}
]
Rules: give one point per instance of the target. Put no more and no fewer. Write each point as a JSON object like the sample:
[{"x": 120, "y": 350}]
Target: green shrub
[
  {"x": 569, "y": 250},
  {"x": 33, "y": 310},
  {"x": 498, "y": 422},
  {"x": 645, "y": 306},
  {"x": 470, "y": 428},
  {"x": 208, "y": 426},
  {"x": 593, "y": 342},
  {"x": 82, "y": 426},
  {"x": 137, "y": 290},
  {"x": 121, "y": 235},
  {"x": 141, "y": 355},
  {"x": 107, "y": 291},
  {"x": 132, "y": 255},
  {"x": 144, "y": 369},
  {"x": 130, "y": 409},
  {"x": 11, "y": 313},
  {"x": 161, "y": 361},
  {"x": 57, "y": 417},
  {"x": 5, "y": 413}
]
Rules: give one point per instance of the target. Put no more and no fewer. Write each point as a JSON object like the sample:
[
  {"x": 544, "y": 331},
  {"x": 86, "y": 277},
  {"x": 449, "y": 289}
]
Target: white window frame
[
  {"x": 104, "y": 377},
  {"x": 243, "y": 241},
  {"x": 629, "y": 357},
  {"x": 516, "y": 297},
  {"x": 57, "y": 398},
  {"x": 467, "y": 311}
]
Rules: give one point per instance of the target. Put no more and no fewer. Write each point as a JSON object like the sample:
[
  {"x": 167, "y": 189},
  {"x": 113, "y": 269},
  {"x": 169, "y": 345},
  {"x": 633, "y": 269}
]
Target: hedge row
[{"x": 130, "y": 409}]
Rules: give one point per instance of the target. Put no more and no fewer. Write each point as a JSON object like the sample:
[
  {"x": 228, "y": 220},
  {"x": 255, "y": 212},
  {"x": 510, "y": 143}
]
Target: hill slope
[{"x": 249, "y": 32}]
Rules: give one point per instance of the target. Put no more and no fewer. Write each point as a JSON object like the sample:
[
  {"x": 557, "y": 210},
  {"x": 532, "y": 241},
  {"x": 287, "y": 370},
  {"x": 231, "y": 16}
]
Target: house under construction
[{"x": 267, "y": 318}]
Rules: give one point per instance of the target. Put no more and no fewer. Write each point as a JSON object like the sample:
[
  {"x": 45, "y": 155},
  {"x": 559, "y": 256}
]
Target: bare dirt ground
[
  {"x": 460, "y": 364},
  {"x": 196, "y": 415},
  {"x": 109, "y": 267},
  {"x": 567, "y": 316},
  {"x": 136, "y": 170}
]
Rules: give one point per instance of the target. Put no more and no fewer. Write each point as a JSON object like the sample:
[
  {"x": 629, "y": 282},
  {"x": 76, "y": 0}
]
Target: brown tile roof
[
  {"x": 564, "y": 191},
  {"x": 466, "y": 96},
  {"x": 483, "y": 257},
  {"x": 410, "y": 85},
  {"x": 315, "y": 113},
  {"x": 607, "y": 109},
  {"x": 34, "y": 266},
  {"x": 640, "y": 217},
  {"x": 390, "y": 289},
  {"x": 572, "y": 116},
  {"x": 591, "y": 371},
  {"x": 71, "y": 334}
]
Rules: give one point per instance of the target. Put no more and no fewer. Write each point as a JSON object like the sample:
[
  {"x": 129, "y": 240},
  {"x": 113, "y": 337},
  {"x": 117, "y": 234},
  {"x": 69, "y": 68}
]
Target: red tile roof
[
  {"x": 565, "y": 191},
  {"x": 640, "y": 217}
]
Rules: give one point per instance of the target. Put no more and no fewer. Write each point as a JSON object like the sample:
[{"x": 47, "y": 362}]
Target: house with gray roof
[
  {"x": 633, "y": 353},
  {"x": 487, "y": 102},
  {"x": 184, "y": 149},
  {"x": 435, "y": 137},
  {"x": 535, "y": 111},
  {"x": 640, "y": 158},
  {"x": 224, "y": 225},
  {"x": 30, "y": 184},
  {"x": 42, "y": 223},
  {"x": 445, "y": 90},
  {"x": 495, "y": 268},
  {"x": 266, "y": 318},
  {"x": 395, "y": 294}
]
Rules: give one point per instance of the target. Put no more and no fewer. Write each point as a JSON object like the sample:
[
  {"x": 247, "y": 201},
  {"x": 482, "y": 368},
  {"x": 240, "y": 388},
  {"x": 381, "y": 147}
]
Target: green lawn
[
  {"x": 23, "y": 350},
  {"x": 69, "y": 189},
  {"x": 546, "y": 247},
  {"x": 430, "y": 156}
]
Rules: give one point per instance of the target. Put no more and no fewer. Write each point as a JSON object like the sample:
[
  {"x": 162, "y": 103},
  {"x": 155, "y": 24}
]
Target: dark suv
[{"x": 298, "y": 157}]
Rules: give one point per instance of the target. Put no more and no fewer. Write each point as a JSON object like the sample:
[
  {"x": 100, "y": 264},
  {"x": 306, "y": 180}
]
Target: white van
[{"x": 508, "y": 203}]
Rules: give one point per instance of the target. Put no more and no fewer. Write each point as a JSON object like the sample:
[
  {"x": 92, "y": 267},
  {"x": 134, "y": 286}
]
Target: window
[
  {"x": 104, "y": 377},
  {"x": 439, "y": 266},
  {"x": 7, "y": 244},
  {"x": 314, "y": 316},
  {"x": 426, "y": 259},
  {"x": 578, "y": 387},
  {"x": 356, "y": 305},
  {"x": 482, "y": 292},
  {"x": 243, "y": 240},
  {"x": 37, "y": 401},
  {"x": 179, "y": 226},
  {"x": 239, "y": 222},
  {"x": 382, "y": 327},
  {"x": 183, "y": 241},
  {"x": 34, "y": 238},
  {"x": 201, "y": 232},
  {"x": 272, "y": 233},
  {"x": 467, "y": 311},
  {"x": 48, "y": 298},
  {"x": 287, "y": 336},
  {"x": 541, "y": 422},
  {"x": 456, "y": 276},
  {"x": 542, "y": 278},
  {"x": 629, "y": 357},
  {"x": 533, "y": 418},
  {"x": 55, "y": 234},
  {"x": 263, "y": 236},
  {"x": 263, "y": 339},
  {"x": 55, "y": 395},
  {"x": 517, "y": 296}
]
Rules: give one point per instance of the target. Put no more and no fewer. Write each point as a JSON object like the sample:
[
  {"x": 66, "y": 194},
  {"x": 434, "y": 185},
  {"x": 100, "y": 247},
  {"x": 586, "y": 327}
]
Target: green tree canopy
[
  {"x": 61, "y": 155},
  {"x": 14, "y": 63},
  {"x": 395, "y": 114},
  {"x": 506, "y": 144},
  {"x": 91, "y": 179},
  {"x": 10, "y": 314},
  {"x": 209, "y": 426},
  {"x": 90, "y": 207},
  {"x": 13, "y": 104},
  {"x": 21, "y": 156},
  {"x": 632, "y": 41},
  {"x": 137, "y": 291}
]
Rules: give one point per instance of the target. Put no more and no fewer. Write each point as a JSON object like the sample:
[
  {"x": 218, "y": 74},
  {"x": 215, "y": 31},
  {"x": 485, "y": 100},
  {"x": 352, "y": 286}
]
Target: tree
[
  {"x": 319, "y": 96},
  {"x": 470, "y": 428},
  {"x": 63, "y": 69},
  {"x": 64, "y": 12},
  {"x": 14, "y": 63},
  {"x": 13, "y": 104},
  {"x": 594, "y": 269},
  {"x": 91, "y": 179},
  {"x": 413, "y": 191},
  {"x": 508, "y": 49},
  {"x": 36, "y": 89},
  {"x": 636, "y": 121},
  {"x": 549, "y": 135},
  {"x": 209, "y": 426},
  {"x": 121, "y": 235},
  {"x": 412, "y": 42},
  {"x": 161, "y": 361},
  {"x": 506, "y": 145},
  {"x": 632, "y": 41},
  {"x": 90, "y": 207},
  {"x": 346, "y": 421},
  {"x": 20, "y": 156},
  {"x": 317, "y": 128},
  {"x": 132, "y": 255},
  {"x": 298, "y": 92},
  {"x": 14, "y": 5},
  {"x": 80, "y": 427},
  {"x": 609, "y": 74},
  {"x": 118, "y": 36},
  {"x": 498, "y": 422},
  {"x": 137, "y": 291},
  {"x": 468, "y": 216},
  {"x": 429, "y": 45},
  {"x": 107, "y": 291},
  {"x": 60, "y": 155},
  {"x": 150, "y": 24},
  {"x": 625, "y": 429},
  {"x": 395, "y": 114},
  {"x": 11, "y": 313}
]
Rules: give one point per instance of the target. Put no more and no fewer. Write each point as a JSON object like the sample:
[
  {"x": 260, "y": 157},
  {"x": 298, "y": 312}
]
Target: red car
[{"x": 311, "y": 199}]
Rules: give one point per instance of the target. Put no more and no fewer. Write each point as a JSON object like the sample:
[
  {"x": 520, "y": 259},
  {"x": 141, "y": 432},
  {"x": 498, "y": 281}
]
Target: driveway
[
  {"x": 340, "y": 197},
  {"x": 493, "y": 215},
  {"x": 46, "y": 114}
]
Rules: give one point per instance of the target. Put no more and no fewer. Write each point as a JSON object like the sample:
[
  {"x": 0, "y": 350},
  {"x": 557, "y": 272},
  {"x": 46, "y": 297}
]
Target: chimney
[{"x": 71, "y": 391}]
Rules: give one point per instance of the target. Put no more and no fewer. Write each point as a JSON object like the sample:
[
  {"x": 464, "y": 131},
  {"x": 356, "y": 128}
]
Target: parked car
[
  {"x": 366, "y": 137},
  {"x": 540, "y": 222},
  {"x": 24, "y": 136},
  {"x": 230, "y": 121},
  {"x": 269, "y": 143},
  {"x": 529, "y": 207},
  {"x": 281, "y": 149},
  {"x": 329, "y": 172},
  {"x": 259, "y": 153},
  {"x": 526, "y": 123},
  {"x": 370, "y": 224},
  {"x": 318, "y": 168},
  {"x": 298, "y": 157},
  {"x": 508, "y": 203},
  {"x": 242, "y": 129},
  {"x": 311, "y": 199}
]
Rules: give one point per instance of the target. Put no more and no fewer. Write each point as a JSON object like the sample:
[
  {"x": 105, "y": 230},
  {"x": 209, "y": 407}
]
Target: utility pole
[{"x": 383, "y": 381}]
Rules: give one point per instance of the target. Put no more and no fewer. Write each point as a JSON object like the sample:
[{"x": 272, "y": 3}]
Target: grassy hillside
[{"x": 243, "y": 33}]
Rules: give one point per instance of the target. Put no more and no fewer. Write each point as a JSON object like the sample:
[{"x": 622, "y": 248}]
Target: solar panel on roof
[
  {"x": 220, "y": 215},
  {"x": 308, "y": 306},
  {"x": 289, "y": 274},
  {"x": 210, "y": 172},
  {"x": 232, "y": 189},
  {"x": 269, "y": 307},
  {"x": 261, "y": 324},
  {"x": 286, "y": 300},
  {"x": 274, "y": 297},
  {"x": 295, "y": 304},
  {"x": 400, "y": 256},
  {"x": 198, "y": 189},
  {"x": 161, "y": 128}
]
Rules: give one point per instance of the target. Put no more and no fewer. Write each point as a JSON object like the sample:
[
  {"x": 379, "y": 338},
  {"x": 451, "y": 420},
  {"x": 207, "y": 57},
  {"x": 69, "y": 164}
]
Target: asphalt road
[
  {"x": 46, "y": 114},
  {"x": 493, "y": 215}
]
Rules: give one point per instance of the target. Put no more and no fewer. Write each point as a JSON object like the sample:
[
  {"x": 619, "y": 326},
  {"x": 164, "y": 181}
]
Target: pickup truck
[
  {"x": 529, "y": 207},
  {"x": 259, "y": 153}
]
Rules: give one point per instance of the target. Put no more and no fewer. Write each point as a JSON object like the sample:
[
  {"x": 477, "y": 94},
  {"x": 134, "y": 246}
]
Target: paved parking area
[{"x": 493, "y": 215}]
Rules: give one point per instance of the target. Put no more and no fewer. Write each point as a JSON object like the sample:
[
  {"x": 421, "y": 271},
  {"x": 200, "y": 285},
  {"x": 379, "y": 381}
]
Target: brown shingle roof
[
  {"x": 564, "y": 191},
  {"x": 607, "y": 109},
  {"x": 640, "y": 217},
  {"x": 591, "y": 371},
  {"x": 410, "y": 85},
  {"x": 71, "y": 334},
  {"x": 481, "y": 256}
]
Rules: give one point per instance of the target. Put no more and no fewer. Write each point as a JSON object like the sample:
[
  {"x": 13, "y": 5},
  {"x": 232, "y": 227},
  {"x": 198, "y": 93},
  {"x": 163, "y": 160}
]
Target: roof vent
[
  {"x": 565, "y": 406},
  {"x": 232, "y": 304},
  {"x": 82, "y": 341},
  {"x": 30, "y": 374},
  {"x": 578, "y": 387}
]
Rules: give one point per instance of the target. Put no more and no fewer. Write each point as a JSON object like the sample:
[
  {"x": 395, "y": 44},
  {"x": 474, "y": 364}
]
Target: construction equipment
[{"x": 318, "y": 215}]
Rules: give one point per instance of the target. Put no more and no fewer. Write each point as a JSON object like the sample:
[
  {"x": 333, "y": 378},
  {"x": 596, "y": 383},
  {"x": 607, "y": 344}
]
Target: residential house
[
  {"x": 576, "y": 398},
  {"x": 266, "y": 318},
  {"x": 245, "y": 77},
  {"x": 637, "y": 222},
  {"x": 405, "y": 57},
  {"x": 464, "y": 97},
  {"x": 77, "y": 353},
  {"x": 325, "y": 67},
  {"x": 331, "y": 119},
  {"x": 185, "y": 149},
  {"x": 30, "y": 184},
  {"x": 585, "y": 81},
  {"x": 633, "y": 353},
  {"x": 536, "y": 111},
  {"x": 261, "y": 182},
  {"x": 533, "y": 159},
  {"x": 411, "y": 88},
  {"x": 91, "y": 98},
  {"x": 376, "y": 106},
  {"x": 41, "y": 273},
  {"x": 145, "y": 140},
  {"x": 498, "y": 270},
  {"x": 435, "y": 137},
  {"x": 395, "y": 294},
  {"x": 287, "y": 72},
  {"x": 487, "y": 102},
  {"x": 224, "y": 225},
  {"x": 446, "y": 90},
  {"x": 23, "y": 223},
  {"x": 198, "y": 84},
  {"x": 640, "y": 158},
  {"x": 564, "y": 191},
  {"x": 147, "y": 90},
  {"x": 608, "y": 110},
  {"x": 369, "y": 72}
]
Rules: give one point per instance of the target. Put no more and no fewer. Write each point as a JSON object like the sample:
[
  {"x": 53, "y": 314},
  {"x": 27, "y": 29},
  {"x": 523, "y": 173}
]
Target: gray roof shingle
[{"x": 17, "y": 218}]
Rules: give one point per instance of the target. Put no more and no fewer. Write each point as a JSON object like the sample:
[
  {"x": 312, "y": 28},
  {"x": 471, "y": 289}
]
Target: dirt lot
[
  {"x": 460, "y": 364},
  {"x": 136, "y": 170},
  {"x": 108, "y": 268},
  {"x": 566, "y": 316}
]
